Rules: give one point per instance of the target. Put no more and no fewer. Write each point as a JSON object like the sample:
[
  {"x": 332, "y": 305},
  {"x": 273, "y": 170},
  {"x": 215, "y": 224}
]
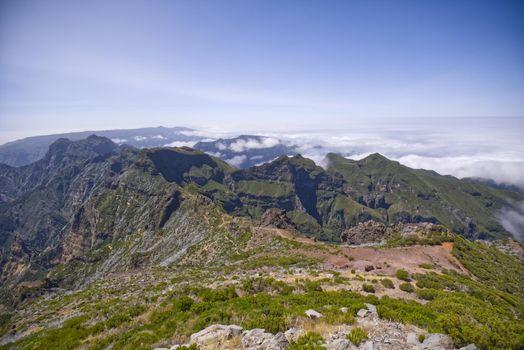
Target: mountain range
[{"x": 94, "y": 223}]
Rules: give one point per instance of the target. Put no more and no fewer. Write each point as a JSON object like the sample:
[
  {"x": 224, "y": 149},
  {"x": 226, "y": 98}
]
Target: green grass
[{"x": 357, "y": 336}]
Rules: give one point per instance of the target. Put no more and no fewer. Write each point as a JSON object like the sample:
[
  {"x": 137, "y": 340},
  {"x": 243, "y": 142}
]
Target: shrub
[
  {"x": 368, "y": 288},
  {"x": 182, "y": 303},
  {"x": 407, "y": 287},
  {"x": 309, "y": 341},
  {"x": 427, "y": 266},
  {"x": 386, "y": 282},
  {"x": 357, "y": 336},
  {"x": 427, "y": 294},
  {"x": 421, "y": 338},
  {"x": 402, "y": 275}
]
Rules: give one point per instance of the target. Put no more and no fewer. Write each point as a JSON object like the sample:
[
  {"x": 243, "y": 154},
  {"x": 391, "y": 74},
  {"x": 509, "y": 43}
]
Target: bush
[
  {"x": 407, "y": 287},
  {"x": 386, "y": 282},
  {"x": 402, "y": 275},
  {"x": 357, "y": 336},
  {"x": 368, "y": 288},
  {"x": 182, "y": 303},
  {"x": 427, "y": 294},
  {"x": 421, "y": 338},
  {"x": 309, "y": 341}
]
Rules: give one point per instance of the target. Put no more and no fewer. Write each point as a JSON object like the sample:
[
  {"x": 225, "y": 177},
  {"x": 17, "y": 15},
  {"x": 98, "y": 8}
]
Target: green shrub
[
  {"x": 309, "y": 341},
  {"x": 427, "y": 266},
  {"x": 427, "y": 294},
  {"x": 357, "y": 336},
  {"x": 406, "y": 287},
  {"x": 368, "y": 288},
  {"x": 386, "y": 282},
  {"x": 182, "y": 303},
  {"x": 421, "y": 338},
  {"x": 402, "y": 275}
]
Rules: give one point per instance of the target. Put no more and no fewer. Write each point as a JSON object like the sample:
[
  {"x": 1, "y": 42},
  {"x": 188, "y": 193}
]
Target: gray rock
[
  {"x": 412, "y": 339},
  {"x": 344, "y": 310},
  {"x": 215, "y": 334},
  {"x": 436, "y": 341},
  {"x": 259, "y": 339},
  {"x": 338, "y": 344},
  {"x": 362, "y": 313},
  {"x": 372, "y": 309},
  {"x": 293, "y": 334},
  {"x": 469, "y": 347},
  {"x": 313, "y": 314},
  {"x": 368, "y": 345}
]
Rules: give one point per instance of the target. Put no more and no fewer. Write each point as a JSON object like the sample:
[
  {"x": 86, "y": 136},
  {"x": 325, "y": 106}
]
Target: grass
[{"x": 357, "y": 336}]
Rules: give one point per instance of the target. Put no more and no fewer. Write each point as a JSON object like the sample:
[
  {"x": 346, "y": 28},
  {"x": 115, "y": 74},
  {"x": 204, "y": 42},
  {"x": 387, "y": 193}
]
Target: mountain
[
  {"x": 30, "y": 149},
  {"x": 245, "y": 151},
  {"x": 108, "y": 246}
]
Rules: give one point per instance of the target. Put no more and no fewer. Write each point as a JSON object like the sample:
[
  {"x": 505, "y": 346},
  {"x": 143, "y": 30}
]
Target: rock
[
  {"x": 338, "y": 344},
  {"x": 372, "y": 308},
  {"x": 344, "y": 310},
  {"x": 362, "y": 313},
  {"x": 259, "y": 339},
  {"x": 313, "y": 314},
  {"x": 215, "y": 334},
  {"x": 293, "y": 334},
  {"x": 369, "y": 268},
  {"x": 412, "y": 339},
  {"x": 436, "y": 341},
  {"x": 469, "y": 347},
  {"x": 161, "y": 349},
  {"x": 368, "y": 345}
]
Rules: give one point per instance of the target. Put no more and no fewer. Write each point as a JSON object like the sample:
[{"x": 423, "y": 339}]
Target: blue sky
[{"x": 255, "y": 65}]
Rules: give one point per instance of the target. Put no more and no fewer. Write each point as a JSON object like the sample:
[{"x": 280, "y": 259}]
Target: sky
[{"x": 257, "y": 65}]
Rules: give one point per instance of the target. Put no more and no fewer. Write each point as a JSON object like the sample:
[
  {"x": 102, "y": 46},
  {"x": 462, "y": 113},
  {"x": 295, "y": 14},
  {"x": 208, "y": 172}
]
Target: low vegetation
[{"x": 357, "y": 336}]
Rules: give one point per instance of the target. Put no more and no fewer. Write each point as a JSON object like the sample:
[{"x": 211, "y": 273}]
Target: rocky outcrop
[{"x": 382, "y": 334}]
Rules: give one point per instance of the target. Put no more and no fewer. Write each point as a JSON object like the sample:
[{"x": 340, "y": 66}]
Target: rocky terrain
[
  {"x": 378, "y": 334},
  {"x": 107, "y": 246}
]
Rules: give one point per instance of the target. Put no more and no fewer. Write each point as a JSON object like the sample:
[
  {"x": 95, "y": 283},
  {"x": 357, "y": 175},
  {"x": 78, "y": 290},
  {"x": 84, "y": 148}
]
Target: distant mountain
[
  {"x": 246, "y": 150},
  {"x": 83, "y": 195},
  {"x": 30, "y": 149}
]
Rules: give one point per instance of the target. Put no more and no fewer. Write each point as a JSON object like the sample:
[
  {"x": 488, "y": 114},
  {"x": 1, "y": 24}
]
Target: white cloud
[
  {"x": 242, "y": 145},
  {"x": 160, "y": 137},
  {"x": 512, "y": 219},
  {"x": 236, "y": 160},
  {"x": 180, "y": 144},
  {"x": 140, "y": 138},
  {"x": 118, "y": 141}
]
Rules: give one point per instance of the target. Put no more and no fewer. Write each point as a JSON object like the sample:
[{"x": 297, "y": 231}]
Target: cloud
[
  {"x": 242, "y": 145},
  {"x": 180, "y": 144},
  {"x": 118, "y": 141},
  {"x": 512, "y": 219},
  {"x": 236, "y": 160}
]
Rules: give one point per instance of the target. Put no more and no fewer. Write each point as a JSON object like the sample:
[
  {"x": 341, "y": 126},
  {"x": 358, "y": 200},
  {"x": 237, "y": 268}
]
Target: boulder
[
  {"x": 215, "y": 334},
  {"x": 469, "y": 347},
  {"x": 259, "y": 339},
  {"x": 412, "y": 339},
  {"x": 363, "y": 313},
  {"x": 313, "y": 314},
  {"x": 293, "y": 334},
  {"x": 338, "y": 344},
  {"x": 436, "y": 341}
]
